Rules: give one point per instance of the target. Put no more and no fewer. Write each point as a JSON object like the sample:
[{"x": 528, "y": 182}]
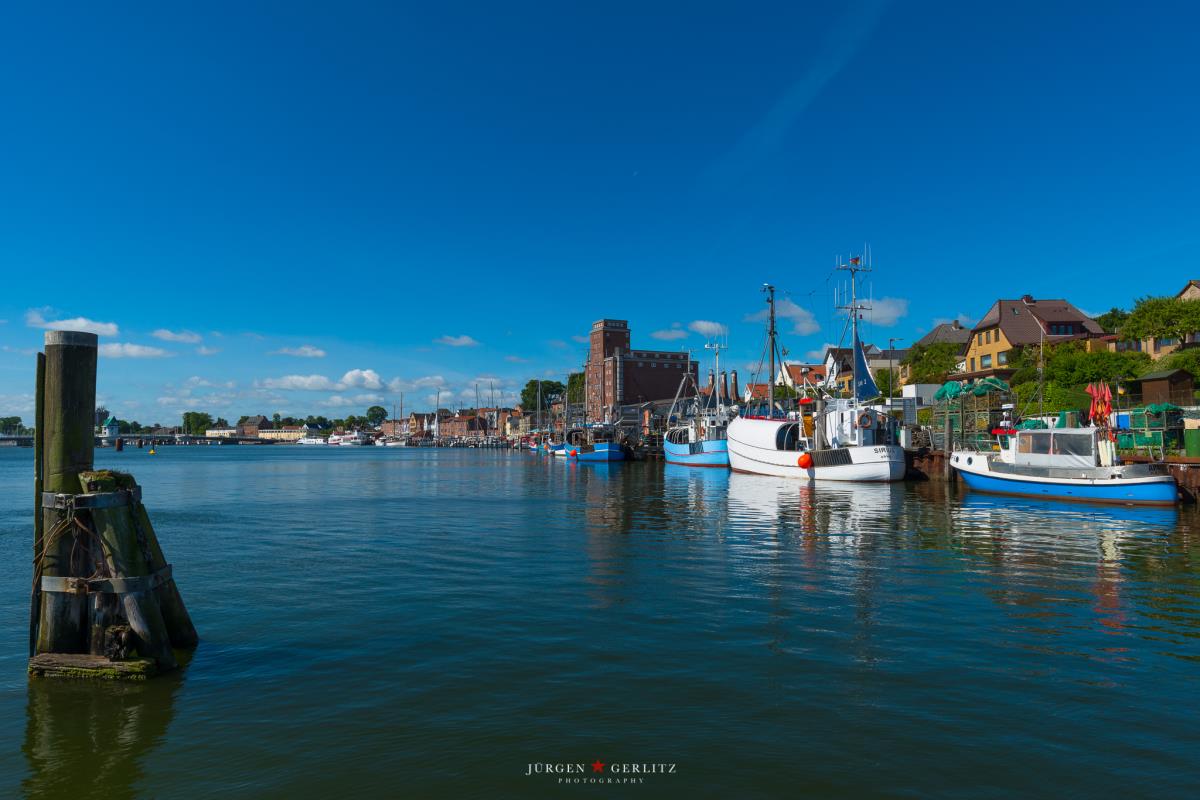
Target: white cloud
[
  {"x": 306, "y": 383},
  {"x": 127, "y": 350},
  {"x": 303, "y": 351},
  {"x": 341, "y": 401},
  {"x": 580, "y": 339},
  {"x": 965, "y": 320},
  {"x": 35, "y": 318},
  {"x": 456, "y": 341},
  {"x": 817, "y": 355},
  {"x": 559, "y": 343},
  {"x": 515, "y": 359},
  {"x": 426, "y": 382},
  {"x": 706, "y": 328},
  {"x": 354, "y": 379},
  {"x": 187, "y": 337},
  {"x": 887, "y": 311},
  {"x": 207, "y": 351},
  {"x": 361, "y": 379},
  {"x": 196, "y": 381},
  {"x": 803, "y": 321},
  {"x": 668, "y": 335}
]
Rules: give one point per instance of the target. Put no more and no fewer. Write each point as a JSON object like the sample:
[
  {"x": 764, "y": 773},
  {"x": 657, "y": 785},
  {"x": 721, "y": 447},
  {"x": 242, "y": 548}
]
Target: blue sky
[{"x": 319, "y": 207}]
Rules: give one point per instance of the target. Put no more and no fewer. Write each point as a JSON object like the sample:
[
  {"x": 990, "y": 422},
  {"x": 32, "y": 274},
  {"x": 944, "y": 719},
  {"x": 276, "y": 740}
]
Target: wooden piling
[
  {"x": 39, "y": 402},
  {"x": 66, "y": 434}
]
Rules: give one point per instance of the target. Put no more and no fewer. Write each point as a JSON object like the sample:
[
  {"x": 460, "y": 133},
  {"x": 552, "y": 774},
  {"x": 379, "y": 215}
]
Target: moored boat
[
  {"x": 592, "y": 445},
  {"x": 307, "y": 440},
  {"x": 699, "y": 440},
  {"x": 834, "y": 439},
  {"x": 1065, "y": 464}
]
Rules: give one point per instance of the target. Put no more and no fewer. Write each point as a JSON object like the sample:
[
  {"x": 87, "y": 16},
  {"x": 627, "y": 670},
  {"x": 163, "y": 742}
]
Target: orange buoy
[
  {"x": 804, "y": 461},
  {"x": 574, "y": 453}
]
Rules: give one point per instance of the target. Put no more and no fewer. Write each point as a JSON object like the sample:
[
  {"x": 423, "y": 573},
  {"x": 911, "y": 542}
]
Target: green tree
[
  {"x": 221, "y": 423},
  {"x": 101, "y": 415},
  {"x": 376, "y": 415},
  {"x": 931, "y": 363},
  {"x": 1162, "y": 318},
  {"x": 196, "y": 423},
  {"x": 10, "y": 425},
  {"x": 1112, "y": 320},
  {"x": 1183, "y": 359},
  {"x": 888, "y": 382},
  {"x": 551, "y": 392},
  {"x": 575, "y": 383},
  {"x": 276, "y": 420}
]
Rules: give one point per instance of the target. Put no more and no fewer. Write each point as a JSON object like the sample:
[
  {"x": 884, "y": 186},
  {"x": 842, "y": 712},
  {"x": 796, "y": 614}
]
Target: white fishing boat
[
  {"x": 311, "y": 440},
  {"x": 834, "y": 439}
]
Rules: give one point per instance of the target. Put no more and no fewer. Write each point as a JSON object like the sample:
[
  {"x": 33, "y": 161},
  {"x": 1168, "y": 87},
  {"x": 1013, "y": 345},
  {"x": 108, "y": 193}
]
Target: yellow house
[
  {"x": 1156, "y": 348},
  {"x": 1010, "y": 324}
]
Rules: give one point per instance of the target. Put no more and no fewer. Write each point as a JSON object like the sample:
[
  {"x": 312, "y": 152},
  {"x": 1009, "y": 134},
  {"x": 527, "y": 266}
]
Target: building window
[
  {"x": 1131, "y": 347},
  {"x": 1166, "y": 341},
  {"x": 985, "y": 362},
  {"x": 1002, "y": 357},
  {"x": 972, "y": 365}
]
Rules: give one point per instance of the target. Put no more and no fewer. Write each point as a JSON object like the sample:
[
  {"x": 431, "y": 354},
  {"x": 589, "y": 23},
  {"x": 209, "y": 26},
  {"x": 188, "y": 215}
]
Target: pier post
[{"x": 65, "y": 434}]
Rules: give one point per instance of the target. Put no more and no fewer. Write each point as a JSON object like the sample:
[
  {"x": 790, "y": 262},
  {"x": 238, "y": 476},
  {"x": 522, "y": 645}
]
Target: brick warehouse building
[{"x": 619, "y": 375}]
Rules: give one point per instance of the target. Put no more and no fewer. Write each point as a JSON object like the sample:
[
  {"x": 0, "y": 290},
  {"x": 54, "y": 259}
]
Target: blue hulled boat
[
  {"x": 1065, "y": 464},
  {"x": 699, "y": 440},
  {"x": 592, "y": 445},
  {"x": 678, "y": 449}
]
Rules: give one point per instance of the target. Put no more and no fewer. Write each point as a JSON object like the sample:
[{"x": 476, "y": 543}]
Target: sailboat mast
[{"x": 771, "y": 346}]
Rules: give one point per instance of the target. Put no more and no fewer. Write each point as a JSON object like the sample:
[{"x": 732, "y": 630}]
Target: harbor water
[{"x": 401, "y": 622}]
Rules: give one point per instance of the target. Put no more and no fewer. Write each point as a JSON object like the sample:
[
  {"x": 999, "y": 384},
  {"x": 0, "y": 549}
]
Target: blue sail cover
[{"x": 864, "y": 384}]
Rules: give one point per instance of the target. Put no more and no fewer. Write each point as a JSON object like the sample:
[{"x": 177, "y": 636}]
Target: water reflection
[{"x": 94, "y": 738}]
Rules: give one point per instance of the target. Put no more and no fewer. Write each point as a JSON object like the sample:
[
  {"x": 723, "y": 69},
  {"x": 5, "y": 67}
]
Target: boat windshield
[{"x": 1056, "y": 448}]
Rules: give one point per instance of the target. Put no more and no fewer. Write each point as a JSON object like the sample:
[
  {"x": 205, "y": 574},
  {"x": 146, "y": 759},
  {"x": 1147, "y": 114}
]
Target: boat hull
[
  {"x": 1158, "y": 490},
  {"x": 752, "y": 450},
  {"x": 711, "y": 453},
  {"x": 599, "y": 453}
]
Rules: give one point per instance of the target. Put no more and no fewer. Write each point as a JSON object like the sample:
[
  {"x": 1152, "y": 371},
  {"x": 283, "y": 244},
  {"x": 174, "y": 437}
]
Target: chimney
[
  {"x": 724, "y": 386},
  {"x": 737, "y": 396},
  {"x": 1027, "y": 299}
]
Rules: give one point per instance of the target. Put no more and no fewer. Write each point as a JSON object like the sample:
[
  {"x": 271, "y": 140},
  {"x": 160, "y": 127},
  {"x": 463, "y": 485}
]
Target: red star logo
[{"x": 597, "y": 766}]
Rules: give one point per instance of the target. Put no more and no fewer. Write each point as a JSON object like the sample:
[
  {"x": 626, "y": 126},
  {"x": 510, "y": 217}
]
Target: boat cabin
[{"x": 1057, "y": 447}]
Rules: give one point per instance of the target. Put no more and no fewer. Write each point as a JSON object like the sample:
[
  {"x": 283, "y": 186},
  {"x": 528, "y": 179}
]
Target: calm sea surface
[{"x": 415, "y": 623}]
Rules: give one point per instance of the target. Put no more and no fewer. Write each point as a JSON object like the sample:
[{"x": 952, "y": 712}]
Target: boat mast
[
  {"x": 716, "y": 346},
  {"x": 854, "y": 266},
  {"x": 770, "y": 290}
]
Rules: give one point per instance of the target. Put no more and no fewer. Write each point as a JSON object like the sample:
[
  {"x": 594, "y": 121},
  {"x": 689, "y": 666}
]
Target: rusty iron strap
[
  {"x": 66, "y": 502},
  {"x": 143, "y": 583}
]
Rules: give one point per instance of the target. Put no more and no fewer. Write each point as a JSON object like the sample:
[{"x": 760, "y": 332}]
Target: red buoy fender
[{"x": 804, "y": 461}]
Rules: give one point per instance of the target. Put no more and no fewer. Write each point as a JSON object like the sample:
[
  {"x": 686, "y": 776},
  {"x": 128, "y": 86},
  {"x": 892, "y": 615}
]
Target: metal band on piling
[
  {"x": 141, "y": 583},
  {"x": 64, "y": 502},
  {"x": 72, "y": 338}
]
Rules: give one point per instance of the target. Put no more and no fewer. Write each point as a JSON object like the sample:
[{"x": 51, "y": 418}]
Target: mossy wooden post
[
  {"x": 67, "y": 444},
  {"x": 39, "y": 427},
  {"x": 170, "y": 601},
  {"x": 128, "y": 556}
]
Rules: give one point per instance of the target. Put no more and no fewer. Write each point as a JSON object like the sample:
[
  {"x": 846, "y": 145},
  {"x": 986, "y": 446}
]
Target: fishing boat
[
  {"x": 700, "y": 439},
  {"x": 593, "y": 444},
  {"x": 1068, "y": 463},
  {"x": 835, "y": 439},
  {"x": 310, "y": 440}
]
